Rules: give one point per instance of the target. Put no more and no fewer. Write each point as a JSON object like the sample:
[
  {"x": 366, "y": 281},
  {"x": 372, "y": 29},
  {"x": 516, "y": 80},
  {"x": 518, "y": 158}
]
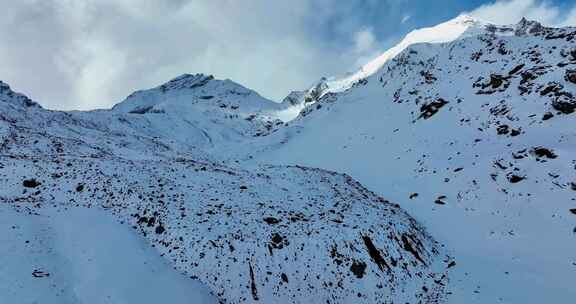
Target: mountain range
[{"x": 444, "y": 171}]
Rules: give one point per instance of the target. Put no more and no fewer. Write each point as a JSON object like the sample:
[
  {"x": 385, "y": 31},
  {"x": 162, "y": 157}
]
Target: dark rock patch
[
  {"x": 513, "y": 178},
  {"x": 253, "y": 288},
  {"x": 336, "y": 256},
  {"x": 553, "y": 87},
  {"x": 544, "y": 153},
  {"x": 407, "y": 245},
  {"x": 428, "y": 110},
  {"x": 516, "y": 69},
  {"x": 284, "y": 277},
  {"x": 506, "y": 130},
  {"x": 499, "y": 110},
  {"x": 358, "y": 268},
  {"x": 495, "y": 81},
  {"x": 40, "y": 274},
  {"x": 31, "y": 183},
  {"x": 159, "y": 229},
  {"x": 429, "y": 78},
  {"x": 141, "y": 110},
  {"x": 570, "y": 76},
  {"x": 547, "y": 116},
  {"x": 142, "y": 220},
  {"x": 515, "y": 132},
  {"x": 277, "y": 239},
  {"x": 440, "y": 200},
  {"x": 277, "y": 242},
  {"x": 503, "y": 130},
  {"x": 151, "y": 221},
  {"x": 564, "y": 104},
  {"x": 375, "y": 254},
  {"x": 271, "y": 220}
]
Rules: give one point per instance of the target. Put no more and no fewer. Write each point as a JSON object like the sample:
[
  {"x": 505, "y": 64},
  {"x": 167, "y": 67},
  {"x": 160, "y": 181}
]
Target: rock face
[{"x": 272, "y": 234}]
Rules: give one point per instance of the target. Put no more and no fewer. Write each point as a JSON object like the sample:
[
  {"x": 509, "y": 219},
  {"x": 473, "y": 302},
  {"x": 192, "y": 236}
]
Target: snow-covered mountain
[
  {"x": 215, "y": 111},
  {"x": 460, "y": 27},
  {"x": 466, "y": 125},
  {"x": 470, "y": 127},
  {"x": 268, "y": 234}
]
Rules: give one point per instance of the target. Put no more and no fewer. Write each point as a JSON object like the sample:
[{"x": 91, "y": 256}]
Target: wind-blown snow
[{"x": 460, "y": 27}]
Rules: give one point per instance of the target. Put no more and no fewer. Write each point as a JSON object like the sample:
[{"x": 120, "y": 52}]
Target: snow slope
[
  {"x": 467, "y": 125},
  {"x": 475, "y": 137},
  {"x": 268, "y": 234},
  {"x": 194, "y": 115},
  {"x": 84, "y": 256}
]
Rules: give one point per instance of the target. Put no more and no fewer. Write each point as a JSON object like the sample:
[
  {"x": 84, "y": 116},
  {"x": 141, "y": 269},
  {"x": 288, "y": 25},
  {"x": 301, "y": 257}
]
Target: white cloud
[
  {"x": 82, "y": 54},
  {"x": 405, "y": 19},
  {"x": 364, "y": 41},
  {"x": 366, "y": 48},
  {"x": 511, "y": 11},
  {"x": 570, "y": 19}
]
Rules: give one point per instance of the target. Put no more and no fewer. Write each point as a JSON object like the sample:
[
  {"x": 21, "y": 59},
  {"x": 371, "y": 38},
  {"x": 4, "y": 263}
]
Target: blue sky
[
  {"x": 389, "y": 20},
  {"x": 86, "y": 54}
]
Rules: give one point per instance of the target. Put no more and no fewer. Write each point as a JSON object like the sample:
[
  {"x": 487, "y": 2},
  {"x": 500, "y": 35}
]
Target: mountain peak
[
  {"x": 187, "y": 81},
  {"x": 9, "y": 96},
  {"x": 462, "y": 26},
  {"x": 195, "y": 92},
  {"x": 441, "y": 33},
  {"x": 526, "y": 26},
  {"x": 465, "y": 19}
]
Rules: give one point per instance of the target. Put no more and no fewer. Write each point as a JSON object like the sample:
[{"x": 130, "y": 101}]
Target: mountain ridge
[
  {"x": 276, "y": 234},
  {"x": 472, "y": 136}
]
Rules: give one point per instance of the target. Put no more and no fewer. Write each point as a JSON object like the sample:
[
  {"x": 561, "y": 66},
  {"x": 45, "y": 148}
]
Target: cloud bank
[
  {"x": 511, "y": 11},
  {"x": 86, "y": 54}
]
